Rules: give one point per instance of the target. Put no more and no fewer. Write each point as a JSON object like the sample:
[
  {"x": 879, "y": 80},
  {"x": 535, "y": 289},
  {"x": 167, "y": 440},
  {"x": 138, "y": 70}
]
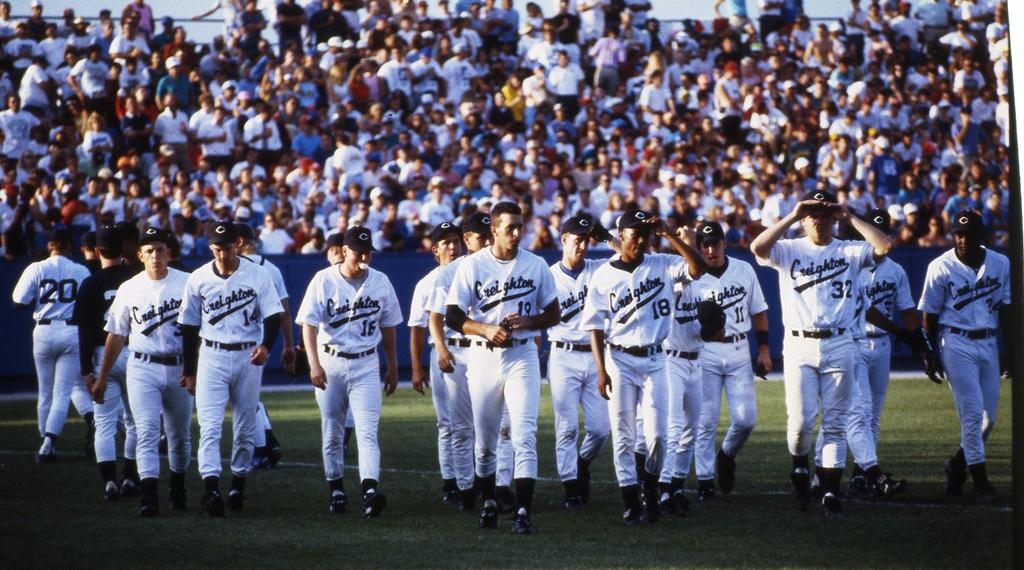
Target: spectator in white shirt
[
  {"x": 262, "y": 135},
  {"x": 273, "y": 239},
  {"x": 565, "y": 82},
  {"x": 171, "y": 132},
  {"x": 130, "y": 44}
]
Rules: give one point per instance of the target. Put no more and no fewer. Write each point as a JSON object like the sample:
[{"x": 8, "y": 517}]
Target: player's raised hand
[
  {"x": 841, "y": 211},
  {"x": 390, "y": 381},
  {"x": 189, "y": 384},
  {"x": 805, "y": 207},
  {"x": 317, "y": 376},
  {"x": 259, "y": 355},
  {"x": 604, "y": 385},
  {"x": 419, "y": 380},
  {"x": 445, "y": 360},
  {"x": 288, "y": 360}
]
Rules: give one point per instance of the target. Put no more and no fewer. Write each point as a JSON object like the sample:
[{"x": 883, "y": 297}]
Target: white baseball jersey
[
  {"x": 572, "y": 296},
  {"x": 146, "y": 311},
  {"x": 275, "y": 274},
  {"x": 349, "y": 318},
  {"x": 437, "y": 300},
  {"x": 684, "y": 329},
  {"x": 51, "y": 286},
  {"x": 488, "y": 289},
  {"x": 817, "y": 284},
  {"x": 964, "y": 297},
  {"x": 232, "y": 309},
  {"x": 634, "y": 308},
  {"x": 419, "y": 315},
  {"x": 887, "y": 289},
  {"x": 737, "y": 291}
]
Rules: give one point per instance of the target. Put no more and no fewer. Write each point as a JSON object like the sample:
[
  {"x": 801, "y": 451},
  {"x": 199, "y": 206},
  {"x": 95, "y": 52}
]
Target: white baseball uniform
[
  {"x": 818, "y": 289},
  {"x": 572, "y": 374},
  {"x": 145, "y": 311},
  {"x": 726, "y": 365},
  {"x": 967, "y": 302},
  {"x": 489, "y": 289},
  {"x": 229, "y": 312},
  {"x": 51, "y": 287},
  {"x": 634, "y": 309},
  {"x": 348, "y": 319},
  {"x": 683, "y": 376},
  {"x": 263, "y": 420}
]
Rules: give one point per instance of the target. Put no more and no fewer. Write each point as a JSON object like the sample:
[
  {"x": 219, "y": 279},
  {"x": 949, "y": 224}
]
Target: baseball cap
[
  {"x": 801, "y": 163},
  {"x": 633, "y": 219},
  {"x": 336, "y": 239},
  {"x": 108, "y": 236},
  {"x": 820, "y": 196},
  {"x": 173, "y": 62},
  {"x": 880, "y": 219},
  {"x": 60, "y": 234},
  {"x": 967, "y": 222},
  {"x": 222, "y": 233},
  {"x": 578, "y": 226},
  {"x": 89, "y": 239},
  {"x": 882, "y": 143},
  {"x": 335, "y": 42},
  {"x": 443, "y": 229},
  {"x": 709, "y": 231},
  {"x": 154, "y": 235},
  {"x": 359, "y": 239},
  {"x": 478, "y": 223},
  {"x": 244, "y": 231}
]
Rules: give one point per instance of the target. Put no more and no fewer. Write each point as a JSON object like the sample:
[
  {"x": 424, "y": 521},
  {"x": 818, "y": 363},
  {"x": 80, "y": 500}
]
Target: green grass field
[{"x": 54, "y": 516}]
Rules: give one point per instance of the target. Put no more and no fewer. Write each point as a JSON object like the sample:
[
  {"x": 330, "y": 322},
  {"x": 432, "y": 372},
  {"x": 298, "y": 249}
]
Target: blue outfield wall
[{"x": 404, "y": 269}]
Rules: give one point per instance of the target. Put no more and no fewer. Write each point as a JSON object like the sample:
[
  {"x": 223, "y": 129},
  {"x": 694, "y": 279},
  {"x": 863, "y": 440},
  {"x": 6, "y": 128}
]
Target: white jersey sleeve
[{"x": 275, "y": 275}]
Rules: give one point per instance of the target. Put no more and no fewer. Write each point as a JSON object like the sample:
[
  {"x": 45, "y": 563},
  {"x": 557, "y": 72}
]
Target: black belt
[
  {"x": 51, "y": 321},
  {"x": 877, "y": 335},
  {"x": 349, "y": 355},
  {"x": 170, "y": 360},
  {"x": 732, "y": 338},
  {"x": 641, "y": 351},
  {"x": 681, "y": 354},
  {"x": 508, "y": 343},
  {"x": 459, "y": 342},
  {"x": 232, "y": 346},
  {"x": 973, "y": 335},
  {"x": 572, "y": 347},
  {"x": 819, "y": 334}
]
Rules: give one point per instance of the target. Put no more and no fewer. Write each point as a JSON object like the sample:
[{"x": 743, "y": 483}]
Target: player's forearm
[
  {"x": 911, "y": 320},
  {"x": 436, "y": 327},
  {"x": 876, "y": 318},
  {"x": 417, "y": 339},
  {"x": 694, "y": 262},
  {"x": 112, "y": 349},
  {"x": 309, "y": 342},
  {"x": 930, "y": 324},
  {"x": 471, "y": 327},
  {"x": 190, "y": 349},
  {"x": 387, "y": 339},
  {"x": 766, "y": 240},
  {"x": 873, "y": 235},
  {"x": 271, "y": 328},
  {"x": 549, "y": 318},
  {"x": 597, "y": 349},
  {"x": 760, "y": 326}
]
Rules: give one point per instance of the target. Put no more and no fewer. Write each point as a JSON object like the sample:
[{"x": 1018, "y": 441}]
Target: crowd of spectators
[{"x": 398, "y": 115}]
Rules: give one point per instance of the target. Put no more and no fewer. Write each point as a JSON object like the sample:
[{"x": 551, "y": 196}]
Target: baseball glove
[
  {"x": 918, "y": 341},
  {"x": 711, "y": 318},
  {"x": 301, "y": 368}
]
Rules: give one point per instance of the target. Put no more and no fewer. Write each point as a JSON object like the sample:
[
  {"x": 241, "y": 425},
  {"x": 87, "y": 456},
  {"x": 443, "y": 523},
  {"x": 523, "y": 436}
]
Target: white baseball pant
[
  {"x": 505, "y": 376},
  {"x": 685, "y": 397},
  {"x": 155, "y": 390},
  {"x": 262, "y": 425},
  {"x": 460, "y": 417},
  {"x": 818, "y": 375},
  {"x": 573, "y": 379},
  {"x": 877, "y": 354},
  {"x": 637, "y": 380},
  {"x": 442, "y": 410},
  {"x": 506, "y": 451},
  {"x": 114, "y": 409},
  {"x": 226, "y": 376},
  {"x": 972, "y": 367},
  {"x": 353, "y": 385},
  {"x": 725, "y": 366},
  {"x": 858, "y": 421},
  {"x": 55, "y": 351}
]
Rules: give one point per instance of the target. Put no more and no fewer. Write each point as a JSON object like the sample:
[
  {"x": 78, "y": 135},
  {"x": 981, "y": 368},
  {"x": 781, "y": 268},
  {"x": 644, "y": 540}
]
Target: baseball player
[
  {"x": 445, "y": 241},
  {"x": 571, "y": 369},
  {"x": 965, "y": 302},
  {"x": 818, "y": 280},
  {"x": 724, "y": 362},
  {"x": 144, "y": 315},
  {"x": 268, "y": 449},
  {"x": 628, "y": 310},
  {"x": 50, "y": 288},
  {"x": 348, "y": 310},
  {"x": 505, "y": 296},
  {"x": 110, "y": 395},
  {"x": 230, "y": 311}
]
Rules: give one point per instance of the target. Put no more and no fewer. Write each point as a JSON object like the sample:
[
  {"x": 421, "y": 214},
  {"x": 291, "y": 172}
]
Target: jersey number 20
[{"x": 50, "y": 291}]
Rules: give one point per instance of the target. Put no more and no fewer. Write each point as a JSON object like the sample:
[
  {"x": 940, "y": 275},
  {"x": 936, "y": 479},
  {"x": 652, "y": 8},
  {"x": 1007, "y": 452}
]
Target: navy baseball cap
[
  {"x": 337, "y": 239},
  {"x": 89, "y": 239},
  {"x": 109, "y": 236},
  {"x": 154, "y": 235},
  {"x": 880, "y": 219},
  {"x": 244, "y": 231},
  {"x": 709, "y": 231},
  {"x": 967, "y": 222},
  {"x": 222, "y": 233},
  {"x": 443, "y": 229},
  {"x": 820, "y": 196},
  {"x": 633, "y": 219},
  {"x": 359, "y": 239},
  {"x": 61, "y": 235},
  {"x": 578, "y": 226},
  {"x": 478, "y": 223}
]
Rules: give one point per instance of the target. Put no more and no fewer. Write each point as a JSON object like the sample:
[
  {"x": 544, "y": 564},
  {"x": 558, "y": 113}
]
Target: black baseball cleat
[
  {"x": 725, "y": 468},
  {"x": 506, "y": 499},
  {"x": 801, "y": 490},
  {"x": 111, "y": 492},
  {"x": 148, "y": 509},
  {"x": 489, "y": 514},
  {"x": 633, "y": 516},
  {"x": 521, "y": 523},
  {"x": 129, "y": 488},
  {"x": 956, "y": 476},
  {"x": 339, "y": 502},
  {"x": 48, "y": 456},
  {"x": 236, "y": 500},
  {"x": 274, "y": 456},
  {"x": 985, "y": 493},
  {"x": 705, "y": 490},
  {"x": 682, "y": 504},
  {"x": 885, "y": 486},
  {"x": 583, "y": 479},
  {"x": 832, "y": 507},
  {"x": 373, "y": 503},
  {"x": 573, "y": 504},
  {"x": 668, "y": 508},
  {"x": 858, "y": 487},
  {"x": 213, "y": 503},
  {"x": 451, "y": 498}
]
